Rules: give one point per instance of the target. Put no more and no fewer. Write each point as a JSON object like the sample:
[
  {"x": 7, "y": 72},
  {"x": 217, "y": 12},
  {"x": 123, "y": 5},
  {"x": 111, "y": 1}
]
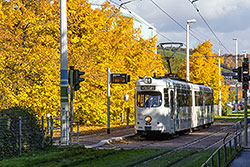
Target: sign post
[
  {"x": 117, "y": 78},
  {"x": 108, "y": 128}
]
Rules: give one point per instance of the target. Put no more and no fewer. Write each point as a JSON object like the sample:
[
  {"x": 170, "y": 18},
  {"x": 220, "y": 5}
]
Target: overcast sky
[{"x": 227, "y": 18}]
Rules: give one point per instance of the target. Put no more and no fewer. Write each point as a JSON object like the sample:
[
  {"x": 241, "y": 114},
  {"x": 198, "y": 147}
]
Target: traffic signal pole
[
  {"x": 71, "y": 74},
  {"x": 243, "y": 76},
  {"x": 64, "y": 114},
  {"x": 245, "y": 85},
  {"x": 245, "y": 117}
]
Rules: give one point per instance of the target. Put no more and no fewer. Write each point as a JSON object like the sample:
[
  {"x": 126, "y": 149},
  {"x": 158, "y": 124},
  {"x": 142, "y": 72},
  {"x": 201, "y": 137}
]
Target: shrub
[
  {"x": 226, "y": 110},
  {"x": 32, "y": 137}
]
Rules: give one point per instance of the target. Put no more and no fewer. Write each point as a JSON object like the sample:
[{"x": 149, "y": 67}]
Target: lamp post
[
  {"x": 236, "y": 66},
  {"x": 187, "y": 43},
  {"x": 220, "y": 111},
  {"x": 151, "y": 28}
]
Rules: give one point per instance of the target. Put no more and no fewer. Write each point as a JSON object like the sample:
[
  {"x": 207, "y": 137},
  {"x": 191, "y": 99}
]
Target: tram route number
[{"x": 120, "y": 78}]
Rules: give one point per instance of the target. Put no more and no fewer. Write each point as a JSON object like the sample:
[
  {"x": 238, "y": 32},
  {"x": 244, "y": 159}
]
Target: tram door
[
  {"x": 203, "y": 110},
  {"x": 172, "y": 110}
]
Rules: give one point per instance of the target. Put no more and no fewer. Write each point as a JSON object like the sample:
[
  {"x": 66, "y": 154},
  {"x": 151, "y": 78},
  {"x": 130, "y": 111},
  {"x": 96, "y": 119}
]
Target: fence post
[
  {"x": 51, "y": 129},
  {"x": 239, "y": 140},
  {"x": 225, "y": 153},
  {"x": 218, "y": 158},
  {"x": 235, "y": 143},
  {"x": 48, "y": 115},
  {"x": 212, "y": 162},
  {"x": 43, "y": 131},
  {"x": 20, "y": 135},
  {"x": 77, "y": 132},
  {"x": 230, "y": 147}
]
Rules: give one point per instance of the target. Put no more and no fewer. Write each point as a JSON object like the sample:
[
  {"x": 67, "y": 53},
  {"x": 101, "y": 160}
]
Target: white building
[{"x": 147, "y": 30}]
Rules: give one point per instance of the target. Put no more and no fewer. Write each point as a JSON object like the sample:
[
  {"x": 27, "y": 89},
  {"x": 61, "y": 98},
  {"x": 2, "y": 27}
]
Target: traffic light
[
  {"x": 70, "y": 75},
  {"x": 77, "y": 79},
  {"x": 238, "y": 72},
  {"x": 245, "y": 70}
]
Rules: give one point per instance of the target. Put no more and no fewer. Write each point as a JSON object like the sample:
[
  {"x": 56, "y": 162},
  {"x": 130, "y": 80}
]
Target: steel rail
[{"x": 147, "y": 160}]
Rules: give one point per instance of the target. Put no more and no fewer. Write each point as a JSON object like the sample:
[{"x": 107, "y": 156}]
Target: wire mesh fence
[{"x": 20, "y": 134}]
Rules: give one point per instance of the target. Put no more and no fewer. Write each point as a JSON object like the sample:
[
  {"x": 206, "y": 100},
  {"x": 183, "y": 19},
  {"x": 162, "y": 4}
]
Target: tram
[{"x": 166, "y": 105}]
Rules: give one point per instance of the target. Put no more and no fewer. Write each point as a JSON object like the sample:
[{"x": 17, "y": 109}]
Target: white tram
[{"x": 168, "y": 106}]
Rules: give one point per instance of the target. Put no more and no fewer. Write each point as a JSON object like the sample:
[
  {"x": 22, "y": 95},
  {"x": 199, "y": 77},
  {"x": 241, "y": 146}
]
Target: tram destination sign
[{"x": 120, "y": 78}]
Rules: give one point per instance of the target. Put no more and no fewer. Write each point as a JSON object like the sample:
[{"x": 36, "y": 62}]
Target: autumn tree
[
  {"x": 106, "y": 39},
  {"x": 29, "y": 59},
  {"x": 204, "y": 69},
  {"x": 97, "y": 39}
]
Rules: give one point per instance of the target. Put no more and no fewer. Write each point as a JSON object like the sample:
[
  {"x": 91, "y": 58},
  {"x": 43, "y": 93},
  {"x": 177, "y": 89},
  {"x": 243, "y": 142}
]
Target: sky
[{"x": 228, "y": 19}]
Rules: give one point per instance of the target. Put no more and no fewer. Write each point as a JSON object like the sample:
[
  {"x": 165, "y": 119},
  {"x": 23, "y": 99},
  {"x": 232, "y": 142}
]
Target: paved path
[
  {"x": 243, "y": 159},
  {"x": 100, "y": 138}
]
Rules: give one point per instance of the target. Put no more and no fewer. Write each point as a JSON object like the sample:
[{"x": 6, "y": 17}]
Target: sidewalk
[
  {"x": 243, "y": 159},
  {"x": 100, "y": 138}
]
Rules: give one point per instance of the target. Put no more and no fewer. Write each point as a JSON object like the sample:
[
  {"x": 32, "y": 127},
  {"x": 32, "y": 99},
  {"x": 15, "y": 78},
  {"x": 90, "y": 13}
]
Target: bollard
[
  {"x": 122, "y": 117},
  {"x": 128, "y": 111}
]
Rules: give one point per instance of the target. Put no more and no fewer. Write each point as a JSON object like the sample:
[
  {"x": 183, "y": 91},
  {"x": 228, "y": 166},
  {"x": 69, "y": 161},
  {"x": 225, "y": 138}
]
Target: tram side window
[
  {"x": 172, "y": 104},
  {"x": 182, "y": 98},
  {"x": 198, "y": 99},
  {"x": 166, "y": 97},
  {"x": 179, "y": 98},
  {"x": 189, "y": 98},
  {"x": 208, "y": 98}
]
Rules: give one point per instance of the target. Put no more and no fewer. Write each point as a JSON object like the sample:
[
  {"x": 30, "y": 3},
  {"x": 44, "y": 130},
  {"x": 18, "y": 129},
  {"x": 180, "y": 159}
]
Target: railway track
[{"x": 188, "y": 145}]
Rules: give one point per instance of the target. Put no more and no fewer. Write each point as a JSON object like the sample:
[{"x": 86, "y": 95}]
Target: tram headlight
[{"x": 148, "y": 119}]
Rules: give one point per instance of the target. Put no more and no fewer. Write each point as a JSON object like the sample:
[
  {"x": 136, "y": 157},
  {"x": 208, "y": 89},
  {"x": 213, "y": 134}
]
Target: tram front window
[{"x": 149, "y": 99}]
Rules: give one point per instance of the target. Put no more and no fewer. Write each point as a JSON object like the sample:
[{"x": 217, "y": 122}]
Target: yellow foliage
[
  {"x": 97, "y": 39},
  {"x": 204, "y": 69}
]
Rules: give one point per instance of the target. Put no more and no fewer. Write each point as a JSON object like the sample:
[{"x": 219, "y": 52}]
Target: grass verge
[
  {"x": 82, "y": 157},
  {"x": 234, "y": 117}
]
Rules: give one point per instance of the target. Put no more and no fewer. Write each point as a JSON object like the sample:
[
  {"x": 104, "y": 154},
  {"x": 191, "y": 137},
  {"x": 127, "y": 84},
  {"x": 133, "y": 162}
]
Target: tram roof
[{"x": 175, "y": 82}]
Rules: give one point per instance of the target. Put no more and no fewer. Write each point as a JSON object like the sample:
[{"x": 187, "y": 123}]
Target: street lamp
[
  {"x": 245, "y": 53},
  {"x": 236, "y": 66},
  {"x": 187, "y": 43},
  {"x": 151, "y": 28}
]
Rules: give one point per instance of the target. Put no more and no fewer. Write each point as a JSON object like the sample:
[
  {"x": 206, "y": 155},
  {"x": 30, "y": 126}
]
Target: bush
[
  {"x": 32, "y": 137},
  {"x": 226, "y": 110}
]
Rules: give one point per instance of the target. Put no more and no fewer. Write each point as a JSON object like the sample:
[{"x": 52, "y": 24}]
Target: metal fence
[
  {"x": 51, "y": 125},
  {"x": 225, "y": 153},
  {"x": 19, "y": 134}
]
